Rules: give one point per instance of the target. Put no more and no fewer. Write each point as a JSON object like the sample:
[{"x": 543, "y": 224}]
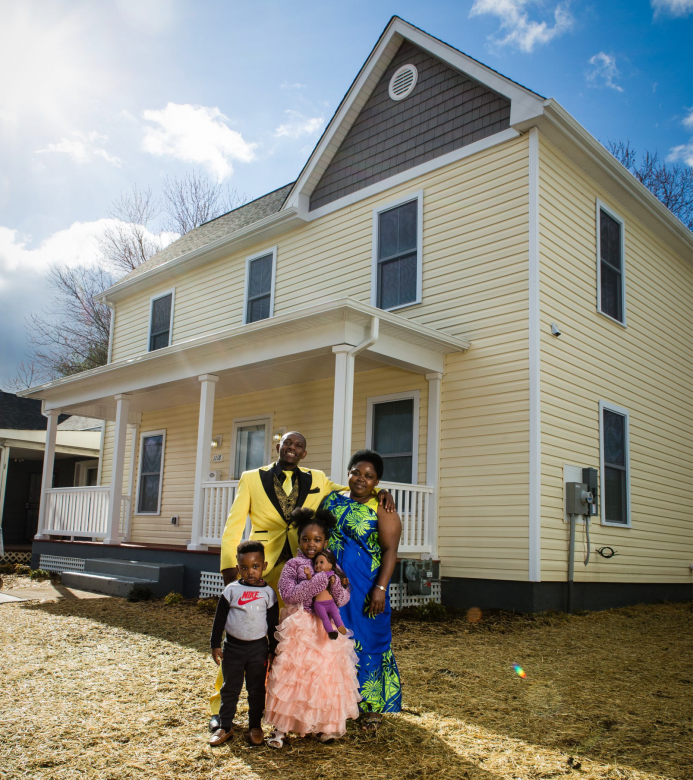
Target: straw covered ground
[{"x": 112, "y": 690}]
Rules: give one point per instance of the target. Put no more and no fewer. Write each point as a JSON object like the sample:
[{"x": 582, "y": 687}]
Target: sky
[{"x": 98, "y": 97}]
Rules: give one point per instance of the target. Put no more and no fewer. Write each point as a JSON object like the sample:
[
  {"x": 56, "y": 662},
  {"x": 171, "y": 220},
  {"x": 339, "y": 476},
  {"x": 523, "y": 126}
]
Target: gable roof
[
  {"x": 22, "y": 414},
  {"x": 216, "y": 229}
]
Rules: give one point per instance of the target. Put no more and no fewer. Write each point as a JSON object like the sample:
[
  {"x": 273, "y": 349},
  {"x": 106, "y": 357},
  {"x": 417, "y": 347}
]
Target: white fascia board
[
  {"x": 281, "y": 222},
  {"x": 556, "y": 118}
]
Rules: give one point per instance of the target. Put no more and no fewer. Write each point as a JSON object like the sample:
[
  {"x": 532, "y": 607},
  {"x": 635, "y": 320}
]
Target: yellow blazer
[{"x": 256, "y": 497}]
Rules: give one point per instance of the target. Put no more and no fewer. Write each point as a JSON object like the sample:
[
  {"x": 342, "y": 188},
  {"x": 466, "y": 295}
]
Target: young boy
[{"x": 249, "y": 612}]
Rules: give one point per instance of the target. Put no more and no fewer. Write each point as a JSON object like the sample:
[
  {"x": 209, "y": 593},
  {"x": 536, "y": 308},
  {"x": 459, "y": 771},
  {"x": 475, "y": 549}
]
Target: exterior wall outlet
[{"x": 175, "y": 520}]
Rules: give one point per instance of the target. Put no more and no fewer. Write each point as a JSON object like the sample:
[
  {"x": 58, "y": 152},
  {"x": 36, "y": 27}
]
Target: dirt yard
[{"x": 106, "y": 689}]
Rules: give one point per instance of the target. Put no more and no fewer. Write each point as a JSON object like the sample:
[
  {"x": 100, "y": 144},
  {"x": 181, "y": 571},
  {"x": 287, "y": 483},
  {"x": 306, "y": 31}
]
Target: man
[{"x": 268, "y": 495}]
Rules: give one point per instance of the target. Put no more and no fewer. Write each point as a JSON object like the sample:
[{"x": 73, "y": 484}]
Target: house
[
  {"x": 461, "y": 277},
  {"x": 22, "y": 445}
]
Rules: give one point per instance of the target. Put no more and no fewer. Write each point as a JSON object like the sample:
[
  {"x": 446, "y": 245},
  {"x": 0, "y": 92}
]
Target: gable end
[{"x": 445, "y": 111}]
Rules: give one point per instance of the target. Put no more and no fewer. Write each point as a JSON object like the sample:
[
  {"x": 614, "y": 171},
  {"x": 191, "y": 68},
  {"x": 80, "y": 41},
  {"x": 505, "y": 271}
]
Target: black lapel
[
  {"x": 267, "y": 479},
  {"x": 305, "y": 482}
]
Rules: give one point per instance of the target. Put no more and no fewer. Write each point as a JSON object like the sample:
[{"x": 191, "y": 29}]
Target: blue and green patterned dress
[{"x": 355, "y": 543}]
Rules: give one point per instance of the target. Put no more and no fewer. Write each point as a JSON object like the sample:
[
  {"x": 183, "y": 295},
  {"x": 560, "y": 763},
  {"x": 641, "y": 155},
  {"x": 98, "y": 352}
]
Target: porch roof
[{"x": 288, "y": 349}]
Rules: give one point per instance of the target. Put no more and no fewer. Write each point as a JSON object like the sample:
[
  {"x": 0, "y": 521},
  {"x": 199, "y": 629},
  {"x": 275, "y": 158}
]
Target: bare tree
[
  {"x": 130, "y": 242},
  {"x": 194, "y": 199},
  {"x": 71, "y": 335},
  {"x": 672, "y": 185}
]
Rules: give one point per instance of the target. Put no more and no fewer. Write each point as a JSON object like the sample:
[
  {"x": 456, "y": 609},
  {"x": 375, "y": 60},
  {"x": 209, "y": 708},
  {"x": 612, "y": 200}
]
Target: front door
[
  {"x": 251, "y": 439},
  {"x": 32, "y": 506}
]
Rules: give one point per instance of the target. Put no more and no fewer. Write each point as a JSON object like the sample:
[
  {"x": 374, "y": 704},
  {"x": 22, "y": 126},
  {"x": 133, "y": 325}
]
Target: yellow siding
[{"x": 647, "y": 368}]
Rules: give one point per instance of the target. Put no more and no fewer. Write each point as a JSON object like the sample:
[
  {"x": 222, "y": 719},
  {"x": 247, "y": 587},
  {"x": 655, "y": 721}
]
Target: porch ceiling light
[
  {"x": 277, "y": 435},
  {"x": 217, "y": 440}
]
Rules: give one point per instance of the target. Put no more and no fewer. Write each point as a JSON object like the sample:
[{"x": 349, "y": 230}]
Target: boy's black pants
[{"x": 249, "y": 660}]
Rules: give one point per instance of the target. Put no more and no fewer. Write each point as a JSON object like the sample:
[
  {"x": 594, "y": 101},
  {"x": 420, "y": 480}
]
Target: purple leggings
[{"x": 325, "y": 610}]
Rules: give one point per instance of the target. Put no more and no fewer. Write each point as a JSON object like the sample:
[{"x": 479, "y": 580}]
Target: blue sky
[{"x": 96, "y": 97}]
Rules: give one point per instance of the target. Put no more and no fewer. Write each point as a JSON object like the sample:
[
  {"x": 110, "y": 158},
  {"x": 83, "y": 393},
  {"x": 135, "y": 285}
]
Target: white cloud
[
  {"x": 82, "y": 148},
  {"x": 153, "y": 16},
  {"x": 603, "y": 72},
  {"x": 688, "y": 121},
  {"x": 287, "y": 85},
  {"x": 298, "y": 125},
  {"x": 196, "y": 134},
  {"x": 683, "y": 152},
  {"x": 672, "y": 7},
  {"x": 521, "y": 32}
]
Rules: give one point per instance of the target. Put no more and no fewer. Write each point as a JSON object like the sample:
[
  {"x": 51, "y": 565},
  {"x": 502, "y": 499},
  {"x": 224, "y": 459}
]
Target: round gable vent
[{"x": 403, "y": 82}]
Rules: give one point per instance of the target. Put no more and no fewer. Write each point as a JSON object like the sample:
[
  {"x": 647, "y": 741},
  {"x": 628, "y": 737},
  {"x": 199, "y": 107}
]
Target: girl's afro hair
[{"x": 302, "y": 517}]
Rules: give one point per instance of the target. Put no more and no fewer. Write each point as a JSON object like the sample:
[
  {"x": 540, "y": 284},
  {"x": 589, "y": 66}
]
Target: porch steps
[{"x": 115, "y": 577}]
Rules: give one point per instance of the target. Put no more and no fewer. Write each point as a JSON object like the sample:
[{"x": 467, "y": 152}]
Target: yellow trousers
[{"x": 272, "y": 579}]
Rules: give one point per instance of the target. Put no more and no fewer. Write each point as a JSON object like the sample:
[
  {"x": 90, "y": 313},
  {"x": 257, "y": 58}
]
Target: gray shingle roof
[
  {"x": 78, "y": 423},
  {"x": 216, "y": 229},
  {"x": 22, "y": 414}
]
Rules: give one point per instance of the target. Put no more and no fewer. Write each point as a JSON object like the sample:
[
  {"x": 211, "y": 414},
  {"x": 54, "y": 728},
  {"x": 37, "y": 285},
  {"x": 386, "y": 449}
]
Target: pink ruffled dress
[{"x": 313, "y": 686}]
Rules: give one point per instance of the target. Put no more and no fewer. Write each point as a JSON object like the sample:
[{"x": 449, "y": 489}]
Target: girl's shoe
[
  {"x": 327, "y": 739},
  {"x": 220, "y": 736},
  {"x": 276, "y": 740}
]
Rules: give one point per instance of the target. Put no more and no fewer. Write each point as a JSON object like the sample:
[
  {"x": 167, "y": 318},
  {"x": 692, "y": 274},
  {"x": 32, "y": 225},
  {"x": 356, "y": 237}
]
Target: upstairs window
[
  {"x": 610, "y": 262},
  {"x": 161, "y": 321},
  {"x": 397, "y": 253},
  {"x": 393, "y": 424},
  {"x": 615, "y": 465},
  {"x": 151, "y": 468},
  {"x": 259, "y": 286}
]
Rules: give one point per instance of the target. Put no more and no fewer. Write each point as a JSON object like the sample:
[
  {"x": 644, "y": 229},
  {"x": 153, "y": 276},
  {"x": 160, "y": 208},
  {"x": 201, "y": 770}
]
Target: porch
[{"x": 332, "y": 342}]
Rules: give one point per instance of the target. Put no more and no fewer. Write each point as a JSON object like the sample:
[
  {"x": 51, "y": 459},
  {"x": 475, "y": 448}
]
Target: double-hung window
[
  {"x": 611, "y": 275},
  {"x": 161, "y": 320},
  {"x": 259, "y": 286},
  {"x": 151, "y": 469},
  {"x": 392, "y": 430},
  {"x": 397, "y": 241},
  {"x": 613, "y": 425}
]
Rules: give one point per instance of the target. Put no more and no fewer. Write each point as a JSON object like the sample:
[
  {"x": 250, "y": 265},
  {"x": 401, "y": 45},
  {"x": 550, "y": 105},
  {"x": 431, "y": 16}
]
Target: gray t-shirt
[{"x": 242, "y": 612}]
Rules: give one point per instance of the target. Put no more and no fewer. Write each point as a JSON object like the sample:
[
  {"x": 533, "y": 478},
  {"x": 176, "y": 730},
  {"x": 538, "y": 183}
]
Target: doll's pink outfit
[{"x": 313, "y": 686}]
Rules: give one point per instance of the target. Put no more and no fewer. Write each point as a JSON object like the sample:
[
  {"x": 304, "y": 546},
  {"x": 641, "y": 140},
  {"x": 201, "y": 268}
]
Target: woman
[{"x": 365, "y": 541}]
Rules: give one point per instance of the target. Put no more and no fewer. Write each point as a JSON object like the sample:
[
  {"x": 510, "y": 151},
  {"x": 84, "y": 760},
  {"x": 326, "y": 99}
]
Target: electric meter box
[
  {"x": 576, "y": 502},
  {"x": 418, "y": 575}
]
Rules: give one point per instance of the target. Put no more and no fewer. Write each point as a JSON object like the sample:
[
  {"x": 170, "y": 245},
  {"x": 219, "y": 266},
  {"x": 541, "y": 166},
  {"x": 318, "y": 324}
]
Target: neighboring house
[
  {"x": 406, "y": 293},
  {"x": 22, "y": 445}
]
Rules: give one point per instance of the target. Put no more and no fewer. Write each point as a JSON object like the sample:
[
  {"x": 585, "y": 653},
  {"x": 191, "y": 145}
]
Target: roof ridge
[{"x": 247, "y": 203}]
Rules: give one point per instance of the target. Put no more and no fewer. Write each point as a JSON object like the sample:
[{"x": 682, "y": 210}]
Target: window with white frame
[
  {"x": 151, "y": 468},
  {"x": 392, "y": 429},
  {"x": 615, "y": 468},
  {"x": 259, "y": 286},
  {"x": 397, "y": 242},
  {"x": 161, "y": 321},
  {"x": 611, "y": 275}
]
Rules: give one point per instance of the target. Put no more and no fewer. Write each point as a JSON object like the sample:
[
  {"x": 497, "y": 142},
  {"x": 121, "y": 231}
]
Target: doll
[{"x": 323, "y": 604}]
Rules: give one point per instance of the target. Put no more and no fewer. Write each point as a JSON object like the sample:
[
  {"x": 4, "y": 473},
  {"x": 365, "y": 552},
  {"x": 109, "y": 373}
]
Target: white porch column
[
  {"x": 433, "y": 456},
  {"x": 135, "y": 432},
  {"x": 115, "y": 497},
  {"x": 204, "y": 443},
  {"x": 48, "y": 464},
  {"x": 342, "y": 410}
]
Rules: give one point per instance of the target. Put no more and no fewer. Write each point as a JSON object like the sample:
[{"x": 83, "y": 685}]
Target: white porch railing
[
  {"x": 80, "y": 511},
  {"x": 413, "y": 505}
]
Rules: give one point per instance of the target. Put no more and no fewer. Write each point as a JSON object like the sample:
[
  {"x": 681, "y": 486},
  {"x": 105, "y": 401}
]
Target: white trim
[
  {"x": 534, "y": 530},
  {"x": 602, "y": 468},
  {"x": 377, "y": 211},
  {"x": 413, "y": 173},
  {"x": 433, "y": 431},
  {"x": 240, "y": 422},
  {"x": 172, "y": 293},
  {"x": 271, "y": 251},
  {"x": 601, "y": 206},
  {"x": 414, "y": 395},
  {"x": 4, "y": 464},
  {"x": 81, "y": 468},
  {"x": 143, "y": 435},
  {"x": 111, "y": 328},
  {"x": 101, "y": 445}
]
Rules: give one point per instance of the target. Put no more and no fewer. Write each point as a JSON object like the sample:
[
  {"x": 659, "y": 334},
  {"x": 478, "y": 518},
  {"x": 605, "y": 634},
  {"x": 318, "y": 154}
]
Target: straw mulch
[{"x": 112, "y": 690}]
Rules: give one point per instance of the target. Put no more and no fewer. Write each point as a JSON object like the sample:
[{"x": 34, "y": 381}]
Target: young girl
[
  {"x": 313, "y": 685},
  {"x": 323, "y": 604}
]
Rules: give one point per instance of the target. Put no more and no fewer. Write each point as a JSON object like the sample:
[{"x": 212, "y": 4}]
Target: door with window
[
  {"x": 393, "y": 427},
  {"x": 251, "y": 439}
]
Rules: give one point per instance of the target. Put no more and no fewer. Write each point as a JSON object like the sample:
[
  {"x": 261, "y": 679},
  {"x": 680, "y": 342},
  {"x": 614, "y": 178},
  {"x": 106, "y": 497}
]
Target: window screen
[
  {"x": 150, "y": 473},
  {"x": 611, "y": 271},
  {"x": 259, "y": 289},
  {"x": 160, "y": 331},
  {"x": 615, "y": 468},
  {"x": 397, "y": 256},
  {"x": 393, "y": 438}
]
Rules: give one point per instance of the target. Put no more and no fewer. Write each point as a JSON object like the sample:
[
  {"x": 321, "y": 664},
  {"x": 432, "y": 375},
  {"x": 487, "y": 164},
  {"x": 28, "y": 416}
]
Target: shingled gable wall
[{"x": 446, "y": 111}]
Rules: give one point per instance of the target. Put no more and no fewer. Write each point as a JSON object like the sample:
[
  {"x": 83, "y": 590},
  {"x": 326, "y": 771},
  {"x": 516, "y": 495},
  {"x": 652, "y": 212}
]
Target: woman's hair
[
  {"x": 369, "y": 456},
  {"x": 302, "y": 517}
]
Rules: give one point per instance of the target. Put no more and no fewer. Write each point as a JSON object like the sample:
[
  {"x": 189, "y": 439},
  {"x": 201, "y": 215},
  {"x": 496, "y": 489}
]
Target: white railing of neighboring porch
[
  {"x": 413, "y": 505},
  {"x": 80, "y": 511}
]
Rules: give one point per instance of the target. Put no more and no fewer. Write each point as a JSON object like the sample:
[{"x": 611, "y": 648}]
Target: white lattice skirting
[
  {"x": 212, "y": 584},
  {"x": 60, "y": 564},
  {"x": 16, "y": 556}
]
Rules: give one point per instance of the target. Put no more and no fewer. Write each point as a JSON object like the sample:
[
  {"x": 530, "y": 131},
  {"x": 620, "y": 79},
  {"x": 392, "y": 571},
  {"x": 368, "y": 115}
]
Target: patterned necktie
[{"x": 288, "y": 484}]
